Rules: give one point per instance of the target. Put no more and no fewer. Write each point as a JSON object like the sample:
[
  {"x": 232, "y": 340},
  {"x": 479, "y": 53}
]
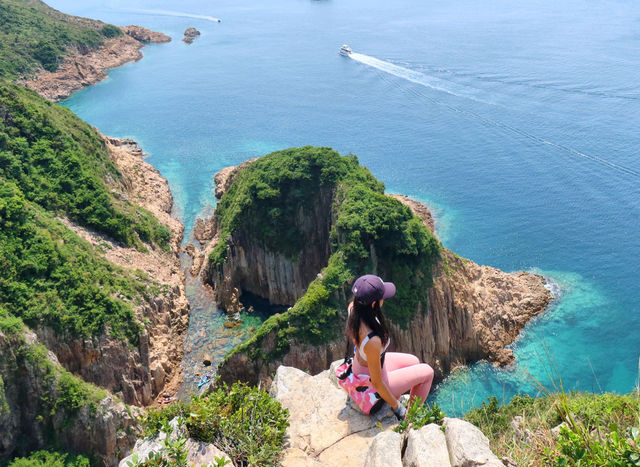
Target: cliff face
[
  {"x": 40, "y": 405},
  {"x": 139, "y": 373},
  {"x": 251, "y": 267},
  {"x": 85, "y": 67},
  {"x": 472, "y": 313}
]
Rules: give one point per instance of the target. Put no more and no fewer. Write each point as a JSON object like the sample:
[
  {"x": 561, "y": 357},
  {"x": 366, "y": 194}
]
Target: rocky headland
[
  {"x": 468, "y": 313},
  {"x": 83, "y": 67}
]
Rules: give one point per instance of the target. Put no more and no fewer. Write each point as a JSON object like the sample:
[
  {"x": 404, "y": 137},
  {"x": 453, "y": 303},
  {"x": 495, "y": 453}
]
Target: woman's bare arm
[{"x": 372, "y": 350}]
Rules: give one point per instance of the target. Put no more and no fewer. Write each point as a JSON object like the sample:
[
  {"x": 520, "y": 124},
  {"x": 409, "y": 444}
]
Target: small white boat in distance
[{"x": 345, "y": 50}]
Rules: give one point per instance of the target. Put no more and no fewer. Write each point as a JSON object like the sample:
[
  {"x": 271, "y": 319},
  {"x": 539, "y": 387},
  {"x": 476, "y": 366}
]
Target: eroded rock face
[
  {"x": 326, "y": 430},
  {"x": 139, "y": 373},
  {"x": 27, "y": 423},
  {"x": 86, "y": 67}
]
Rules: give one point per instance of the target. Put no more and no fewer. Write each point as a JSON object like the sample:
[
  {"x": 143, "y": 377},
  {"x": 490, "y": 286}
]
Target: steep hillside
[{"x": 91, "y": 271}]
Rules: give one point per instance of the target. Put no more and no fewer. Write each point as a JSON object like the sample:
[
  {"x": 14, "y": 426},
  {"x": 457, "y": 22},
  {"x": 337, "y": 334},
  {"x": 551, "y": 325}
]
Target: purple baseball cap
[{"x": 370, "y": 288}]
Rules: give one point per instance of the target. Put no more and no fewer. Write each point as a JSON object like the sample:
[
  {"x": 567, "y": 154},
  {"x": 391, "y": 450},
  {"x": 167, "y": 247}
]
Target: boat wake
[
  {"x": 471, "y": 93},
  {"x": 176, "y": 13},
  {"x": 424, "y": 80}
]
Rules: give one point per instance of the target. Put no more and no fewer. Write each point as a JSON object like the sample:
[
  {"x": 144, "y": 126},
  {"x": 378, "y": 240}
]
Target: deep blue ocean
[{"x": 518, "y": 123}]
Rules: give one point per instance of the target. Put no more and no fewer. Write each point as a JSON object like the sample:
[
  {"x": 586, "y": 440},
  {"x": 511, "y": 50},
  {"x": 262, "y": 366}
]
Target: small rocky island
[
  {"x": 190, "y": 35},
  {"x": 296, "y": 227}
]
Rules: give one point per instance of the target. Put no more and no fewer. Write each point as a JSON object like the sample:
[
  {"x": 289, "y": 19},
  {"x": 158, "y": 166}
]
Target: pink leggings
[{"x": 402, "y": 372}]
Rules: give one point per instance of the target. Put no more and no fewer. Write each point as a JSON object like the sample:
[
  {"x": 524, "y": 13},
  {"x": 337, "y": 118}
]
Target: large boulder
[
  {"x": 426, "y": 447},
  {"x": 324, "y": 427},
  {"x": 468, "y": 446},
  {"x": 385, "y": 451}
]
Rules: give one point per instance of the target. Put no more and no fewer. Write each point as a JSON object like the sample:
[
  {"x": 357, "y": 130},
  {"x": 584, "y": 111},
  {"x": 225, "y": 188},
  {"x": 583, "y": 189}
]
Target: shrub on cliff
[
  {"x": 267, "y": 197},
  {"x": 33, "y": 35},
  {"x": 50, "y": 459},
  {"x": 244, "y": 422}
]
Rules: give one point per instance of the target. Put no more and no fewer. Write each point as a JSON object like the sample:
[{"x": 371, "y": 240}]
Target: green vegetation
[
  {"x": 419, "y": 415},
  {"x": 33, "y": 35},
  {"x": 60, "y": 163},
  {"x": 50, "y": 459},
  {"x": 52, "y": 277},
  {"x": 242, "y": 421},
  {"x": 597, "y": 429},
  {"x": 263, "y": 202}
]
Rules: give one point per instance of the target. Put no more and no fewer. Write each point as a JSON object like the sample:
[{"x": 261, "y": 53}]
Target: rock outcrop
[
  {"x": 139, "y": 373},
  {"x": 326, "y": 430},
  {"x": 473, "y": 312},
  {"x": 84, "y": 67},
  {"x": 35, "y": 412},
  {"x": 190, "y": 35}
]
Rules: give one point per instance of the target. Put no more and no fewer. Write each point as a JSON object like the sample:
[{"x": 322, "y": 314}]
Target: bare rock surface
[
  {"x": 468, "y": 446},
  {"x": 83, "y": 68},
  {"x": 139, "y": 374},
  {"x": 145, "y": 35},
  {"x": 326, "y": 430},
  {"x": 385, "y": 450},
  {"x": 426, "y": 447}
]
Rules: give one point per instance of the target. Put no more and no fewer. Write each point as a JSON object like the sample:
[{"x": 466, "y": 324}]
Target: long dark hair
[{"x": 372, "y": 316}]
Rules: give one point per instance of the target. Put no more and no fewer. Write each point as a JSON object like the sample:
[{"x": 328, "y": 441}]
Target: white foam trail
[
  {"x": 177, "y": 13},
  {"x": 462, "y": 91},
  {"x": 422, "y": 79}
]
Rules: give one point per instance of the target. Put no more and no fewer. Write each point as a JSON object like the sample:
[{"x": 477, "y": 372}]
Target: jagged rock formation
[
  {"x": 326, "y": 430},
  {"x": 35, "y": 411},
  {"x": 474, "y": 311},
  {"x": 139, "y": 374},
  {"x": 86, "y": 67}
]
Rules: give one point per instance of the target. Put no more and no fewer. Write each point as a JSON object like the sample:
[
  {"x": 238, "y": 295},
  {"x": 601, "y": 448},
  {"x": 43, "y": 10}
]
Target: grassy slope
[
  {"x": 600, "y": 429},
  {"x": 262, "y": 201},
  {"x": 35, "y": 36}
]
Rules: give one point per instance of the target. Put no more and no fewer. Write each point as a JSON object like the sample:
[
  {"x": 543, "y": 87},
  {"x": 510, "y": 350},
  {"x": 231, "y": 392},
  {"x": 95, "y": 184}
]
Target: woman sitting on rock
[{"x": 391, "y": 373}]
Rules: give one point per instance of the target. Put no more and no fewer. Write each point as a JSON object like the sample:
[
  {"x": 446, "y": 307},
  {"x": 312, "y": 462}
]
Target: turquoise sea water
[{"x": 519, "y": 123}]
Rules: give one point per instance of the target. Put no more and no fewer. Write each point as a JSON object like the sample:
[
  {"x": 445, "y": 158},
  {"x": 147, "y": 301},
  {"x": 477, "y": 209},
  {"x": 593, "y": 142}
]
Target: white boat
[{"x": 345, "y": 50}]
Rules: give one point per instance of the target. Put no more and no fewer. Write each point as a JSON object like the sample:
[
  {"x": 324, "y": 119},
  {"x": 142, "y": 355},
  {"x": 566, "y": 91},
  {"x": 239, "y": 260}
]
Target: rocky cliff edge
[{"x": 326, "y": 430}]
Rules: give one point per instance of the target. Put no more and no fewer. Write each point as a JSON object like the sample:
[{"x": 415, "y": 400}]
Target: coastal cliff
[
  {"x": 449, "y": 311},
  {"x": 83, "y": 67},
  {"x": 91, "y": 279},
  {"x": 140, "y": 374}
]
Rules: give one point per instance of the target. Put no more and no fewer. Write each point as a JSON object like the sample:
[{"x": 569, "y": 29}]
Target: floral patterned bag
[{"x": 359, "y": 387}]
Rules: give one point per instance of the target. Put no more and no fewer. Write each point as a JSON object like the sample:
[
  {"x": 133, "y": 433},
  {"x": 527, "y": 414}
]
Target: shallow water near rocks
[{"x": 518, "y": 122}]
